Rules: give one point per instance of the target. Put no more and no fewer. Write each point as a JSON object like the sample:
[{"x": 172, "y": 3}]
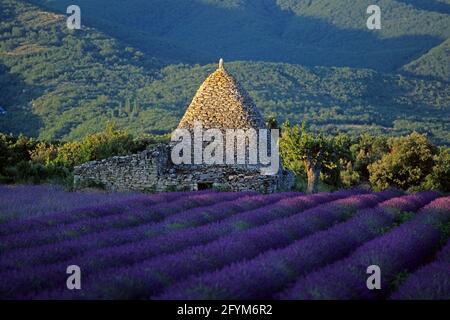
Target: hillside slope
[
  {"x": 59, "y": 84},
  {"x": 313, "y": 33},
  {"x": 54, "y": 79},
  {"x": 353, "y": 100},
  {"x": 435, "y": 63}
]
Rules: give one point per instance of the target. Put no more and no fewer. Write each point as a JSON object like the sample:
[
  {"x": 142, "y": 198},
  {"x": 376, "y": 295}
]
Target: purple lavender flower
[
  {"x": 270, "y": 272},
  {"x": 90, "y": 225},
  {"x": 431, "y": 282},
  {"x": 111, "y": 206},
  {"x": 150, "y": 277},
  {"x": 64, "y": 250},
  {"x": 51, "y": 274},
  {"x": 411, "y": 202},
  {"x": 402, "y": 249},
  {"x": 228, "y": 246},
  {"x": 23, "y": 202}
]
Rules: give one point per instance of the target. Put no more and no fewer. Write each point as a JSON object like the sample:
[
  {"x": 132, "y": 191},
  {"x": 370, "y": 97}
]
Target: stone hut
[{"x": 220, "y": 103}]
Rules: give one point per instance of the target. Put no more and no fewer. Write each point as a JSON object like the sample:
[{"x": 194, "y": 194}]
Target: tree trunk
[{"x": 313, "y": 172}]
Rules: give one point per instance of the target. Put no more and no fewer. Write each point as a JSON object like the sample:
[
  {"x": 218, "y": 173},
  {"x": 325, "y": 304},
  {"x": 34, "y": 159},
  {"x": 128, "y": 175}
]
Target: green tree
[
  {"x": 439, "y": 178},
  {"x": 272, "y": 122},
  {"x": 95, "y": 146},
  {"x": 409, "y": 161},
  {"x": 349, "y": 176},
  {"x": 44, "y": 153},
  {"x": 128, "y": 108},
  {"x": 16, "y": 32},
  {"x": 366, "y": 151},
  {"x": 302, "y": 151},
  {"x": 136, "y": 108},
  {"x": 339, "y": 157}
]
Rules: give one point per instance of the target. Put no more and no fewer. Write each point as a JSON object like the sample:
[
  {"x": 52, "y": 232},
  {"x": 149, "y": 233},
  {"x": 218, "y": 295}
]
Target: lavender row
[
  {"x": 138, "y": 251},
  {"x": 267, "y": 274},
  {"x": 429, "y": 282},
  {"x": 25, "y": 201},
  {"x": 114, "y": 207},
  {"x": 147, "y": 248},
  {"x": 44, "y": 276},
  {"x": 150, "y": 277},
  {"x": 404, "y": 248},
  {"x": 87, "y": 226},
  {"x": 62, "y": 251}
]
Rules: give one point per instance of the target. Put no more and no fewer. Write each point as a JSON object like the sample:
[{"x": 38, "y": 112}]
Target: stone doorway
[{"x": 204, "y": 185}]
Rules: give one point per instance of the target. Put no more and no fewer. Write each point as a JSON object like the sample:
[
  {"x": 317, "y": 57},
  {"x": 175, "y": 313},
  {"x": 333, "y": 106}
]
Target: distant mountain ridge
[
  {"x": 61, "y": 84},
  {"x": 312, "y": 33},
  {"x": 434, "y": 64}
]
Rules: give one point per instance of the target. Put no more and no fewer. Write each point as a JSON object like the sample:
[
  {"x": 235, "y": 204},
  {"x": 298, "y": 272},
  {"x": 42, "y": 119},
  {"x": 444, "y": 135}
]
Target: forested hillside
[
  {"x": 318, "y": 32},
  {"x": 56, "y": 83},
  {"x": 347, "y": 99},
  {"x": 435, "y": 63},
  {"x": 54, "y": 79}
]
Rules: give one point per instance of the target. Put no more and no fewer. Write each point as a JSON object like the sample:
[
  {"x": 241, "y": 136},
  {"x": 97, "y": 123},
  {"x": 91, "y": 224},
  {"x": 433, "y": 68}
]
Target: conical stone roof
[{"x": 222, "y": 103}]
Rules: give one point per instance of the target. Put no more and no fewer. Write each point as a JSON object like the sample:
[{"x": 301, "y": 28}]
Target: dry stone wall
[
  {"x": 152, "y": 170},
  {"x": 220, "y": 103},
  {"x": 124, "y": 173}
]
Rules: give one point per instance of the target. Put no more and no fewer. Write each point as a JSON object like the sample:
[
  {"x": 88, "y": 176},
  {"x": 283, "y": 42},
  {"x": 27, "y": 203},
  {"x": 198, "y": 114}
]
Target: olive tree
[{"x": 302, "y": 152}]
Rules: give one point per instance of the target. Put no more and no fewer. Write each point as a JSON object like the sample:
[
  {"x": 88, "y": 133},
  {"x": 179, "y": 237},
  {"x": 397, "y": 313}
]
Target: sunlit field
[{"x": 213, "y": 245}]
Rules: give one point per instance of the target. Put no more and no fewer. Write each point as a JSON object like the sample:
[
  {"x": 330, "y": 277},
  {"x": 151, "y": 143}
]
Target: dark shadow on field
[
  {"x": 423, "y": 77},
  {"x": 198, "y": 32},
  {"x": 428, "y": 5},
  {"x": 16, "y": 97}
]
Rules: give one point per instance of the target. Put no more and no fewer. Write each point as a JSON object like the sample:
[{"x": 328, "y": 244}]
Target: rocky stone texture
[
  {"x": 134, "y": 172},
  {"x": 152, "y": 170},
  {"x": 222, "y": 103}
]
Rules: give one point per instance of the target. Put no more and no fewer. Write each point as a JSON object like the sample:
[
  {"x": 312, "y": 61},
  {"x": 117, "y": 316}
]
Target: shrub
[
  {"x": 439, "y": 178},
  {"x": 409, "y": 161}
]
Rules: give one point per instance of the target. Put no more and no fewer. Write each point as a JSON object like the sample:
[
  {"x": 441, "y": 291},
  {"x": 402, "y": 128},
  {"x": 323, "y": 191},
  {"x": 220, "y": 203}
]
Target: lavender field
[{"x": 213, "y": 245}]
